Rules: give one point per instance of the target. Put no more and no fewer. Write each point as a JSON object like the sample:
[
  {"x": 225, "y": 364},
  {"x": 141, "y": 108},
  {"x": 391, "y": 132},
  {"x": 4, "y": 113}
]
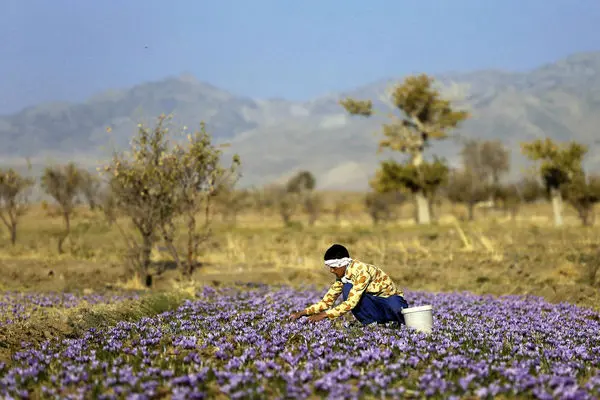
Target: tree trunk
[
  {"x": 486, "y": 211},
  {"x": 423, "y": 215},
  {"x": 494, "y": 194},
  {"x": 557, "y": 206},
  {"x": 471, "y": 211},
  {"x": 13, "y": 233},
  {"x": 432, "y": 211},
  {"x": 374, "y": 217},
  {"x": 286, "y": 218},
  {"x": 191, "y": 253},
  {"x": 11, "y": 224},
  {"x": 513, "y": 213},
  {"x": 145, "y": 262},
  {"x": 584, "y": 215},
  {"x": 61, "y": 240},
  {"x": 169, "y": 242},
  {"x": 423, "y": 211}
]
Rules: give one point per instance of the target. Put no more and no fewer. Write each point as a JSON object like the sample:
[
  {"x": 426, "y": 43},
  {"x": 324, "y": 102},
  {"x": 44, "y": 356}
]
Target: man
[{"x": 368, "y": 292}]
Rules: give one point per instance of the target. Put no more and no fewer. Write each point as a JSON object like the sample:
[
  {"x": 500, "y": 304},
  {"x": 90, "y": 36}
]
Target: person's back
[{"x": 381, "y": 284}]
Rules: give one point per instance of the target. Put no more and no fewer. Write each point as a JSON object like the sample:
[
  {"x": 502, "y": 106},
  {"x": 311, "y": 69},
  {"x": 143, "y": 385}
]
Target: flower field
[
  {"x": 238, "y": 343},
  {"x": 18, "y": 306}
]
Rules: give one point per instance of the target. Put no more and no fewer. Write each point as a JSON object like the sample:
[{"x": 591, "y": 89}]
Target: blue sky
[{"x": 71, "y": 49}]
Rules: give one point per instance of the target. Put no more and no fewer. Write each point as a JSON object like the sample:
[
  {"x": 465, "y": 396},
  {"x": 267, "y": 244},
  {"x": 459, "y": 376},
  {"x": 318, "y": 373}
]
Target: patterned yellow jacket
[{"x": 365, "y": 278}]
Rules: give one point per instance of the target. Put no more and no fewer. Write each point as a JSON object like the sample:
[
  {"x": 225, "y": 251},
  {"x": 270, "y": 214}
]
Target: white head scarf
[{"x": 338, "y": 262}]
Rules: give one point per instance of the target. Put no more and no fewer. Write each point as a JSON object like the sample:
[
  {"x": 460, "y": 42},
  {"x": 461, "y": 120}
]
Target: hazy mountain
[{"x": 275, "y": 137}]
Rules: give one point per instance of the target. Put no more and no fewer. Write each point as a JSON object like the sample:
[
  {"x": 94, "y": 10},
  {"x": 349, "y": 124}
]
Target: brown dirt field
[{"x": 493, "y": 255}]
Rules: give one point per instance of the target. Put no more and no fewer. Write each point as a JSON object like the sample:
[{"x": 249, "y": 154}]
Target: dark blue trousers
[{"x": 377, "y": 309}]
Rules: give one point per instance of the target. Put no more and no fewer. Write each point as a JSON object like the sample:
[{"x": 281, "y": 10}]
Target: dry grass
[
  {"x": 73, "y": 322},
  {"x": 492, "y": 255}
]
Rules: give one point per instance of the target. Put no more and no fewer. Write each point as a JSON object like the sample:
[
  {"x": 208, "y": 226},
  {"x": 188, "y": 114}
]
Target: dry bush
[
  {"x": 583, "y": 193},
  {"x": 383, "y": 207},
  {"x": 157, "y": 182},
  {"x": 232, "y": 202}
]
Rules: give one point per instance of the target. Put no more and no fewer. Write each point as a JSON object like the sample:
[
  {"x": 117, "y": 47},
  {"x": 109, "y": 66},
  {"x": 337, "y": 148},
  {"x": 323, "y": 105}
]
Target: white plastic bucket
[{"x": 420, "y": 318}]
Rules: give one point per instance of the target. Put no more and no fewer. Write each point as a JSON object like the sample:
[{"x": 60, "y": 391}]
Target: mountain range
[{"x": 276, "y": 137}]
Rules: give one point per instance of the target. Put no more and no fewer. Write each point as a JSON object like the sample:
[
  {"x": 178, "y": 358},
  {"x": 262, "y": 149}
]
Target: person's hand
[
  {"x": 317, "y": 317},
  {"x": 297, "y": 315}
]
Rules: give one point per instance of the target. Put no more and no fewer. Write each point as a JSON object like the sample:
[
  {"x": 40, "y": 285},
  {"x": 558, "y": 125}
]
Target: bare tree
[
  {"x": 197, "y": 179},
  {"x": 301, "y": 187},
  {"x": 467, "y": 187},
  {"x": 90, "y": 188},
  {"x": 340, "y": 206},
  {"x": 381, "y": 206},
  {"x": 262, "y": 200},
  {"x": 63, "y": 183},
  {"x": 231, "y": 202},
  {"x": 107, "y": 203},
  {"x": 313, "y": 205},
  {"x": 583, "y": 193},
  {"x": 487, "y": 161},
  {"x": 512, "y": 195},
  {"x": 496, "y": 159},
  {"x": 284, "y": 201},
  {"x": 157, "y": 183},
  {"x": 14, "y": 190}
]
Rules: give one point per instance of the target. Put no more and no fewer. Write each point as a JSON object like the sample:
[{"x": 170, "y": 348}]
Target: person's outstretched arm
[{"x": 332, "y": 294}]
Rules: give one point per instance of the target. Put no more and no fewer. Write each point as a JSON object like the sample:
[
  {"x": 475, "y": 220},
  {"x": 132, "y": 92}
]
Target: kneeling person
[{"x": 368, "y": 292}]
